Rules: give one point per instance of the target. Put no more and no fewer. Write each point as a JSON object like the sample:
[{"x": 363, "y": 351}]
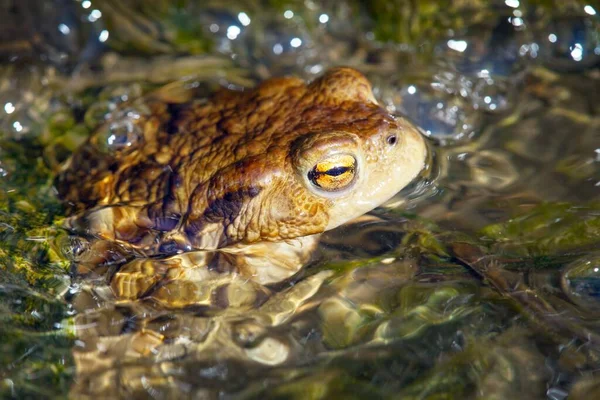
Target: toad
[{"x": 243, "y": 182}]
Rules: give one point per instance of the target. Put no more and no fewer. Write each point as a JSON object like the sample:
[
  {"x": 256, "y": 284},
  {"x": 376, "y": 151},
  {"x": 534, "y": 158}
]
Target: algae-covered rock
[{"x": 547, "y": 229}]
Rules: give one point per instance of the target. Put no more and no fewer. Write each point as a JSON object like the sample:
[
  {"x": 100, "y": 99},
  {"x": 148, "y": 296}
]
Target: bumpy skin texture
[{"x": 231, "y": 171}]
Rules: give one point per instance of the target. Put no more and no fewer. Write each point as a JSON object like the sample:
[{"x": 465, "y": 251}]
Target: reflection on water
[{"x": 478, "y": 280}]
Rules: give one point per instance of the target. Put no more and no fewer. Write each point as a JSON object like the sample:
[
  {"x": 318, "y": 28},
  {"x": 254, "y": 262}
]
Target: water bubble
[
  {"x": 233, "y": 32},
  {"x": 64, "y": 29},
  {"x": 7, "y": 165},
  {"x": 333, "y": 16},
  {"x": 589, "y": 10},
  {"x": 576, "y": 52},
  {"x": 457, "y": 45},
  {"x": 283, "y": 46},
  {"x": 444, "y": 116},
  {"x": 67, "y": 246},
  {"x": 244, "y": 19},
  {"x": 3, "y": 170},
  {"x": 438, "y": 110},
  {"x": 95, "y": 15},
  {"x": 296, "y": 42},
  {"x": 103, "y": 37},
  {"x": 98, "y": 113},
  {"x": 450, "y": 82},
  {"x": 485, "y": 61},
  {"x": 122, "y": 131},
  {"x": 570, "y": 42},
  {"x": 495, "y": 48},
  {"x": 271, "y": 43},
  {"x": 9, "y": 108},
  {"x": 122, "y": 134},
  {"x": 19, "y": 125},
  {"x": 225, "y": 28},
  {"x": 492, "y": 95},
  {"x": 581, "y": 281},
  {"x": 278, "y": 48},
  {"x": 71, "y": 247}
]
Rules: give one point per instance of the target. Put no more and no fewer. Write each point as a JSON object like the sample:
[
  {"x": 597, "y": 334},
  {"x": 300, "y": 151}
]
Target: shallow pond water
[{"x": 480, "y": 280}]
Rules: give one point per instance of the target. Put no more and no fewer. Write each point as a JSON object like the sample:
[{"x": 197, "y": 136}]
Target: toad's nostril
[{"x": 392, "y": 140}]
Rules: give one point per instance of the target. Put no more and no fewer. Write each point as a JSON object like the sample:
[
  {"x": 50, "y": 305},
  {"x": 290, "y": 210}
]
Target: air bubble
[
  {"x": 98, "y": 113},
  {"x": 581, "y": 281},
  {"x": 7, "y": 165},
  {"x": 490, "y": 56},
  {"x": 123, "y": 130},
  {"x": 287, "y": 45},
  {"x": 122, "y": 134},
  {"x": 19, "y": 124},
  {"x": 71, "y": 247},
  {"x": 226, "y": 28},
  {"x": 495, "y": 49},
  {"x": 570, "y": 42},
  {"x": 440, "y": 115},
  {"x": 493, "y": 95},
  {"x": 273, "y": 44}
]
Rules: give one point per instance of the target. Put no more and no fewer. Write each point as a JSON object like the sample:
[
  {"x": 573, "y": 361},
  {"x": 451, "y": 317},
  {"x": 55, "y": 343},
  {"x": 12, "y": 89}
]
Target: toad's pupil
[
  {"x": 337, "y": 171},
  {"x": 314, "y": 174}
]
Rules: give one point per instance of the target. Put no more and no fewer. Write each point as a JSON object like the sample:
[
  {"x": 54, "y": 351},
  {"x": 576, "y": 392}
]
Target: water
[{"x": 480, "y": 280}]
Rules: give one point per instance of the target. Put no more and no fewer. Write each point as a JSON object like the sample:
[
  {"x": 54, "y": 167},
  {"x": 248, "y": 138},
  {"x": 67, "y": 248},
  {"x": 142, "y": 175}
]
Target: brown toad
[{"x": 255, "y": 175}]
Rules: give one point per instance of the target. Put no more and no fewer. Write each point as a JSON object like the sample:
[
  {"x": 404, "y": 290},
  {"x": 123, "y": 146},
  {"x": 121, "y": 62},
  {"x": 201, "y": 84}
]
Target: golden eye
[{"x": 334, "y": 173}]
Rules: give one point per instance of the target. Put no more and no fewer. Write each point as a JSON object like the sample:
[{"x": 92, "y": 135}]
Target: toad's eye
[{"x": 334, "y": 173}]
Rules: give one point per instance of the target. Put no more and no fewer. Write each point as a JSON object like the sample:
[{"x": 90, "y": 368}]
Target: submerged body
[{"x": 255, "y": 174}]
